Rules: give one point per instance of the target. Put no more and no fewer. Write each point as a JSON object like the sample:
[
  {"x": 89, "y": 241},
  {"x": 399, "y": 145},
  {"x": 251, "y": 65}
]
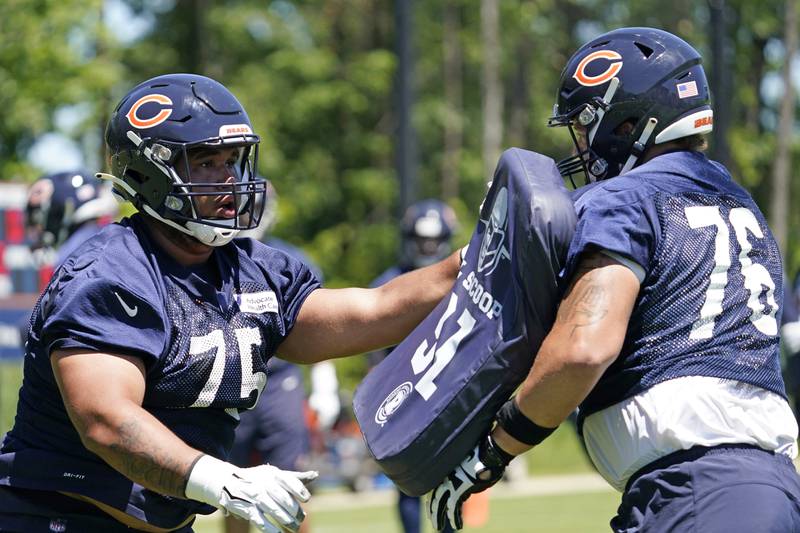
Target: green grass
[
  {"x": 561, "y": 453},
  {"x": 566, "y": 513},
  {"x": 10, "y": 380}
]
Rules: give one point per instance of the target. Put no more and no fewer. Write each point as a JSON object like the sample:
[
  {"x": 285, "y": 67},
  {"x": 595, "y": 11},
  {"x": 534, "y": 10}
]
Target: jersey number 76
[{"x": 756, "y": 276}]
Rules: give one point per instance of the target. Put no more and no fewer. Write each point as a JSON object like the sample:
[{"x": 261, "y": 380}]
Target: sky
[{"x": 56, "y": 151}]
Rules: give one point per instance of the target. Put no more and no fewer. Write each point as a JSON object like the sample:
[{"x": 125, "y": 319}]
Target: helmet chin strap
[
  {"x": 601, "y": 109},
  {"x": 638, "y": 146},
  {"x": 208, "y": 235}
]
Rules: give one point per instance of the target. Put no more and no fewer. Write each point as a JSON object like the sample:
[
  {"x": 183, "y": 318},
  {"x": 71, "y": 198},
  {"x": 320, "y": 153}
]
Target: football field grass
[
  {"x": 557, "y": 513},
  {"x": 10, "y": 380}
]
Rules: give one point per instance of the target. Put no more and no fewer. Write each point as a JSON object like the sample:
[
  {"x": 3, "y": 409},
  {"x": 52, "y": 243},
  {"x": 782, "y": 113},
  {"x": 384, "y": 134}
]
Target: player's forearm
[
  {"x": 552, "y": 391},
  {"x": 366, "y": 319},
  {"x": 407, "y": 299},
  {"x": 584, "y": 341},
  {"x": 142, "y": 449}
]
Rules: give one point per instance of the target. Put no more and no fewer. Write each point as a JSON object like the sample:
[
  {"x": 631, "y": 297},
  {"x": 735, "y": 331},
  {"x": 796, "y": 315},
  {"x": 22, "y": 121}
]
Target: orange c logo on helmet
[
  {"x": 141, "y": 123},
  {"x": 610, "y": 72}
]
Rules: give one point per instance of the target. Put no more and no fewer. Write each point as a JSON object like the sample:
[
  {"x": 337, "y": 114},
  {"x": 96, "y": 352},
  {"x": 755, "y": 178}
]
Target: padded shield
[{"x": 423, "y": 408}]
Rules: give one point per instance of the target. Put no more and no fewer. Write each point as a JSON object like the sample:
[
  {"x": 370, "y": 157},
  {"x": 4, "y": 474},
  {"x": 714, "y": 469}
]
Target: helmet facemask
[
  {"x": 154, "y": 134},
  {"x": 583, "y": 123},
  {"x": 181, "y": 202}
]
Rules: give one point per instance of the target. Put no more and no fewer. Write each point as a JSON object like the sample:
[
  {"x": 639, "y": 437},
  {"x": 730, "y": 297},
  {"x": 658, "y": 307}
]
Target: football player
[
  {"x": 64, "y": 209},
  {"x": 426, "y": 230},
  {"x": 667, "y": 332},
  {"x": 156, "y": 332},
  {"x": 270, "y": 432}
]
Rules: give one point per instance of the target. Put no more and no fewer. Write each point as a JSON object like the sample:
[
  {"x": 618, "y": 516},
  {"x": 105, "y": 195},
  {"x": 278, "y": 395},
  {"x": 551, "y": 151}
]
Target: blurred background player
[
  {"x": 426, "y": 232},
  {"x": 270, "y": 432},
  {"x": 65, "y": 209}
]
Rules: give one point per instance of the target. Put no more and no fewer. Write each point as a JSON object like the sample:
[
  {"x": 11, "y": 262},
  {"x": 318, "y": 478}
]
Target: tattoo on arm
[
  {"x": 148, "y": 463},
  {"x": 588, "y": 299}
]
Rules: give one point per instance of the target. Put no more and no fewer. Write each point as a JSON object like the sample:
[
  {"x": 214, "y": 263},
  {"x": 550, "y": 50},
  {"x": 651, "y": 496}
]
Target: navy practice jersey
[
  {"x": 205, "y": 347},
  {"x": 422, "y": 409},
  {"x": 278, "y": 365},
  {"x": 709, "y": 304}
]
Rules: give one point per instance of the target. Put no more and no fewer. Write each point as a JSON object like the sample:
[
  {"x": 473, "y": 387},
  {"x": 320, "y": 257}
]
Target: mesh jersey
[
  {"x": 278, "y": 365},
  {"x": 205, "y": 351},
  {"x": 710, "y": 301}
]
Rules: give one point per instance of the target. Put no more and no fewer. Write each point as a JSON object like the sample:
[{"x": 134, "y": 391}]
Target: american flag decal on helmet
[{"x": 687, "y": 90}]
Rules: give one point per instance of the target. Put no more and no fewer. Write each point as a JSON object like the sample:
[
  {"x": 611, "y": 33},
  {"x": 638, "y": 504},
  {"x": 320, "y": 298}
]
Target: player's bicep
[
  {"x": 330, "y": 323},
  {"x": 594, "y": 312},
  {"x": 94, "y": 385}
]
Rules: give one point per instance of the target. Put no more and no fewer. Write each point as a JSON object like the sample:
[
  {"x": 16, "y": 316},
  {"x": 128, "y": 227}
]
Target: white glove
[
  {"x": 324, "y": 398},
  {"x": 264, "y": 495},
  {"x": 481, "y": 469}
]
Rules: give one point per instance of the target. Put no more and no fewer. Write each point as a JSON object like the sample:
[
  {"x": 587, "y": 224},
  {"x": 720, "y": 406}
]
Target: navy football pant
[
  {"x": 33, "y": 511},
  {"x": 723, "y": 489}
]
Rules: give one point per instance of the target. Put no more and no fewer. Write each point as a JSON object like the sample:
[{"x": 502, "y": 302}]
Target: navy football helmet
[
  {"x": 427, "y": 227},
  {"x": 150, "y": 135},
  {"x": 646, "y": 77},
  {"x": 60, "y": 203}
]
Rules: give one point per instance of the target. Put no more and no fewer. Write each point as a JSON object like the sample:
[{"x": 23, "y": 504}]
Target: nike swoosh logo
[{"x": 131, "y": 311}]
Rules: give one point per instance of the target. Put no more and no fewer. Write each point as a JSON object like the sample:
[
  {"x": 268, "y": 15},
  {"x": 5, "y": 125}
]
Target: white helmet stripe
[{"x": 699, "y": 122}]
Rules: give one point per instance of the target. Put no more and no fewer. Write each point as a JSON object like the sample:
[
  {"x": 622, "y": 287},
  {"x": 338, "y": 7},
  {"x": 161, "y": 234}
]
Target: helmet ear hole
[
  {"x": 646, "y": 50},
  {"x": 134, "y": 175}
]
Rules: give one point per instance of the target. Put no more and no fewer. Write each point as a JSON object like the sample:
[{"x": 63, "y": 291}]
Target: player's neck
[{"x": 183, "y": 248}]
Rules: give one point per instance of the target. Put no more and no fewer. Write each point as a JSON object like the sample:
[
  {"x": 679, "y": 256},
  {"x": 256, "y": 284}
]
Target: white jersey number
[
  {"x": 436, "y": 358},
  {"x": 246, "y": 338},
  {"x": 756, "y": 277}
]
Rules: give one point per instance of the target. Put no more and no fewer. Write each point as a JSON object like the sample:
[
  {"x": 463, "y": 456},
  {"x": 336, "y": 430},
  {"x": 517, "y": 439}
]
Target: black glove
[{"x": 481, "y": 469}]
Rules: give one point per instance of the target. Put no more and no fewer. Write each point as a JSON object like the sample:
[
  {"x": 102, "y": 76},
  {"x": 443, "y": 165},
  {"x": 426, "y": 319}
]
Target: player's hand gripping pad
[{"x": 423, "y": 408}]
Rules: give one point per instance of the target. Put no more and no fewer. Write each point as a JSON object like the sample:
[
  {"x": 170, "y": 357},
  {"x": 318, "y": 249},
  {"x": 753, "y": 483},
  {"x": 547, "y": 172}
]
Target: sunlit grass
[{"x": 564, "y": 513}]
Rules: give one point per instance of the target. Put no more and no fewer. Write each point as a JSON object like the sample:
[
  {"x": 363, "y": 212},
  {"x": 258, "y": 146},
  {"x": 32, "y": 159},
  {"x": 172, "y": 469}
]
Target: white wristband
[{"x": 207, "y": 479}]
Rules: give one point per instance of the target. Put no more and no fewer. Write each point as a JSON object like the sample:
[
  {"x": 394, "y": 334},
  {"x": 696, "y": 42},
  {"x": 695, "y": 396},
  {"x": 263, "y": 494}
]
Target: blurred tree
[
  {"x": 779, "y": 201},
  {"x": 491, "y": 85},
  {"x": 719, "y": 78},
  {"x": 452, "y": 59},
  {"x": 52, "y": 75}
]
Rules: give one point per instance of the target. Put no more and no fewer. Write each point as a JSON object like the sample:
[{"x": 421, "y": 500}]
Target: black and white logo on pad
[
  {"x": 493, "y": 246},
  {"x": 392, "y": 402}
]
